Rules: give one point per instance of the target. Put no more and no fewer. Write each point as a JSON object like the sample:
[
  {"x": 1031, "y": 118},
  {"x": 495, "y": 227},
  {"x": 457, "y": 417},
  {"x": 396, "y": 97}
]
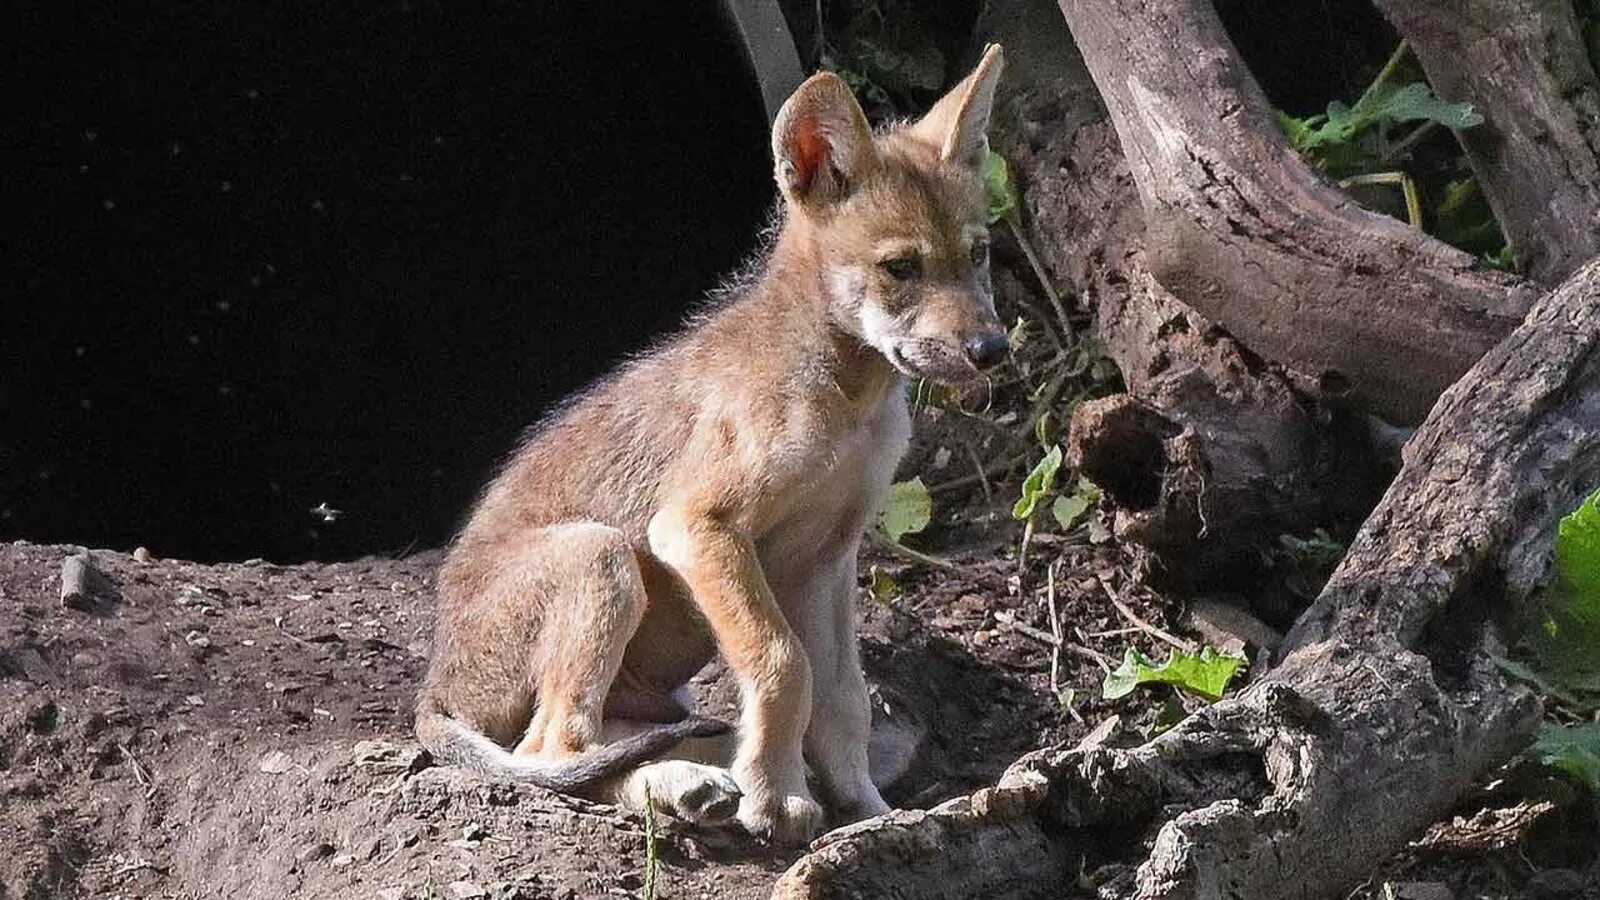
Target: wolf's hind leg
[{"x": 596, "y": 598}]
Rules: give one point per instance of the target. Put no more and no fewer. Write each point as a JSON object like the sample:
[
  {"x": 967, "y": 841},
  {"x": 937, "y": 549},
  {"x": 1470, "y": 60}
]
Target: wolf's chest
[{"x": 825, "y": 514}]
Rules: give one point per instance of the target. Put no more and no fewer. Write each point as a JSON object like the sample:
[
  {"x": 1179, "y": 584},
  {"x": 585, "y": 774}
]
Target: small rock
[
  {"x": 197, "y": 640},
  {"x": 474, "y": 831},
  {"x": 275, "y": 763},
  {"x": 466, "y": 890},
  {"x": 195, "y": 700},
  {"x": 343, "y": 860},
  {"x": 1422, "y": 890},
  {"x": 142, "y": 556},
  {"x": 386, "y": 756},
  {"x": 391, "y": 893},
  {"x": 83, "y": 586},
  {"x": 1230, "y": 628},
  {"x": 319, "y": 850}
]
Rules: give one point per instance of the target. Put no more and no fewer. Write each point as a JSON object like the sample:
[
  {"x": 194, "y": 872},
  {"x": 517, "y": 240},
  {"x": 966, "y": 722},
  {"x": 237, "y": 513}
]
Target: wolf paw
[
  {"x": 694, "y": 793},
  {"x": 790, "y": 819}
]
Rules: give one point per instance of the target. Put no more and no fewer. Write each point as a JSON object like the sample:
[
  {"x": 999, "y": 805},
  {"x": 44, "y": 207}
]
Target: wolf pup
[{"x": 710, "y": 496}]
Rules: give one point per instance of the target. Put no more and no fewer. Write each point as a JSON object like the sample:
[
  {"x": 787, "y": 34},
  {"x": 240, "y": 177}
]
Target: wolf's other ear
[
  {"x": 957, "y": 123},
  {"x": 820, "y": 141}
]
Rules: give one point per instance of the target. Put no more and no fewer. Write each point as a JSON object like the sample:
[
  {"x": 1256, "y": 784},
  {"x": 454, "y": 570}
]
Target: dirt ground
[{"x": 243, "y": 730}]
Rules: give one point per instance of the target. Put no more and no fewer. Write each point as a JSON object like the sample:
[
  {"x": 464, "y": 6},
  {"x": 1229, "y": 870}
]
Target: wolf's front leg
[
  {"x": 823, "y": 613},
  {"x": 719, "y": 564}
]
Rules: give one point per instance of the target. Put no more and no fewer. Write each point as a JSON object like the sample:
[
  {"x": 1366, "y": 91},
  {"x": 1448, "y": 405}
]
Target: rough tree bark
[
  {"x": 1384, "y": 708},
  {"x": 1213, "y": 453},
  {"x": 1243, "y": 231},
  {"x": 1537, "y": 154}
]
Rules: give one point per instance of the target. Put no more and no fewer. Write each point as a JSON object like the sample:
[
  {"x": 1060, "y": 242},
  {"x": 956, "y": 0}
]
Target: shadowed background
[{"x": 269, "y": 256}]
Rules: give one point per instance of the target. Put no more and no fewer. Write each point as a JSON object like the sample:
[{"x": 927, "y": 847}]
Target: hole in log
[
  {"x": 1120, "y": 444},
  {"x": 1455, "y": 631}
]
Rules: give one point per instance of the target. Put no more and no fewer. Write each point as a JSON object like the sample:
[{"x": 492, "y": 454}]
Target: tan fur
[{"x": 711, "y": 495}]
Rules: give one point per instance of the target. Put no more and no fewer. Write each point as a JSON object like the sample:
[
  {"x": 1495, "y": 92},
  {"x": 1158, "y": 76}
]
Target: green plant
[
  {"x": 1067, "y": 508},
  {"x": 906, "y": 510},
  {"x": 1565, "y": 650},
  {"x": 1574, "y": 750},
  {"x": 1205, "y": 674},
  {"x": 881, "y": 585},
  {"x": 1306, "y": 562},
  {"x": 652, "y": 852},
  {"x": 1039, "y": 484},
  {"x": 1330, "y": 135},
  {"x": 1365, "y": 143}
]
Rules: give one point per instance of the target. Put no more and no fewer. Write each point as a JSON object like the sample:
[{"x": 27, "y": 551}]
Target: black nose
[{"x": 987, "y": 349}]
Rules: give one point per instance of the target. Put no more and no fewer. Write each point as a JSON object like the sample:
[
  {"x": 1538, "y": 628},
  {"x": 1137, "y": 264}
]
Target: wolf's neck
[{"x": 795, "y": 289}]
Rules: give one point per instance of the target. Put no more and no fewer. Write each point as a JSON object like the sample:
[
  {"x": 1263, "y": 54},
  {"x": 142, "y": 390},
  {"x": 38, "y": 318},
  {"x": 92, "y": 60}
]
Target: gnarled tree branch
[{"x": 1243, "y": 231}]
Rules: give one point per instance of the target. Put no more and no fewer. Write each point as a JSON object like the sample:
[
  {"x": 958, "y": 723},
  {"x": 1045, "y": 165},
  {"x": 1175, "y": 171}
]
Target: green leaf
[
  {"x": 907, "y": 509},
  {"x": 1578, "y": 559},
  {"x": 1038, "y": 485},
  {"x": 1319, "y": 552},
  {"x": 1573, "y": 750},
  {"x": 1205, "y": 675},
  {"x": 1342, "y": 123},
  {"x": 1297, "y": 130},
  {"x": 1416, "y": 102},
  {"x": 1502, "y": 259},
  {"x": 882, "y": 585},
  {"x": 1567, "y": 648},
  {"x": 1069, "y": 508},
  {"x": 997, "y": 184},
  {"x": 1463, "y": 219}
]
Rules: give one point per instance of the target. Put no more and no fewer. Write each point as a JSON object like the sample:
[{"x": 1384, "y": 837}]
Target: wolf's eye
[
  {"x": 902, "y": 268},
  {"x": 980, "y": 253}
]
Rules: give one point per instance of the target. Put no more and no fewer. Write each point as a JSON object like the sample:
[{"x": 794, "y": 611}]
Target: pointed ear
[
  {"x": 957, "y": 123},
  {"x": 820, "y": 141}
]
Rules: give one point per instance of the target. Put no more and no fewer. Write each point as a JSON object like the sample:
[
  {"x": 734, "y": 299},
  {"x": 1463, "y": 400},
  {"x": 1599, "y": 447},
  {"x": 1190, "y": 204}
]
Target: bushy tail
[{"x": 453, "y": 742}]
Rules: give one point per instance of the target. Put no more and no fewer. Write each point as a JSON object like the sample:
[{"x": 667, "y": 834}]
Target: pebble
[
  {"x": 319, "y": 850},
  {"x": 275, "y": 763},
  {"x": 466, "y": 890}
]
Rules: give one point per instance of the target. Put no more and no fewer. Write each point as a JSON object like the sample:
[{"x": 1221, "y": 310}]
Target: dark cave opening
[{"x": 266, "y": 257}]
